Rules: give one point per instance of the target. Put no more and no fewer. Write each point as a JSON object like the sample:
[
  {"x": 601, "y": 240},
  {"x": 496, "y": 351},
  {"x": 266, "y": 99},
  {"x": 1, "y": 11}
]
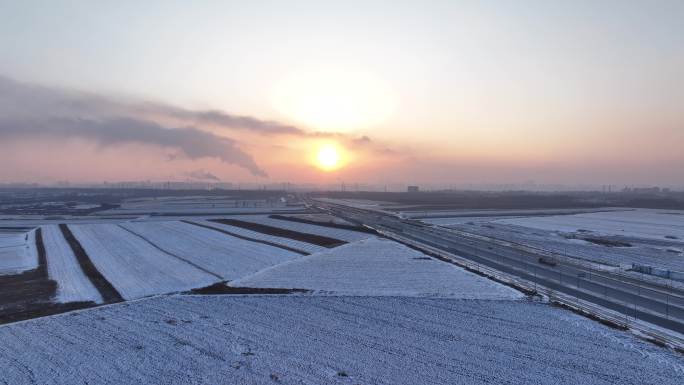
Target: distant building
[
  {"x": 642, "y": 190},
  {"x": 412, "y": 189}
]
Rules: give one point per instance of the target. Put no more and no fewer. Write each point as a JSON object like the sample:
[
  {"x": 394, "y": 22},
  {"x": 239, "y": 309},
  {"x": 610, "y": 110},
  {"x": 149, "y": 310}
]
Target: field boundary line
[
  {"x": 106, "y": 289},
  {"x": 172, "y": 254},
  {"x": 292, "y": 249},
  {"x": 313, "y": 239}
]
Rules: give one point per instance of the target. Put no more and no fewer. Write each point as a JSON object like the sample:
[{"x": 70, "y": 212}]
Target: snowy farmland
[
  {"x": 639, "y": 223},
  {"x": 109, "y": 262},
  {"x": 377, "y": 267},
  {"x": 458, "y": 215},
  {"x": 305, "y": 247},
  {"x": 319, "y": 217},
  {"x": 563, "y": 243},
  {"x": 227, "y": 256},
  {"x": 72, "y": 283},
  {"x": 372, "y": 311},
  {"x": 328, "y": 340},
  {"x": 337, "y": 233},
  {"x": 135, "y": 267},
  {"x": 617, "y": 237},
  {"x": 190, "y": 205},
  {"x": 17, "y": 252}
]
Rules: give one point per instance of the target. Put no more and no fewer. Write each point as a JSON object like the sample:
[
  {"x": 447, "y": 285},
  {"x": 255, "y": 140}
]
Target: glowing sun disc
[{"x": 328, "y": 157}]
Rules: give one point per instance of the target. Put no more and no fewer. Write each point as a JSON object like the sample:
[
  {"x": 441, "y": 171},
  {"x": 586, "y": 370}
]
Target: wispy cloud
[
  {"x": 28, "y": 111},
  {"x": 192, "y": 142},
  {"x": 18, "y": 98},
  {"x": 217, "y": 118},
  {"x": 364, "y": 142}
]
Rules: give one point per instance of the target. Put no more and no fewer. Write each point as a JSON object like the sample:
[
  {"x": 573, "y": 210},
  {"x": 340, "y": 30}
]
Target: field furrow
[
  {"x": 63, "y": 267},
  {"x": 134, "y": 267},
  {"x": 304, "y": 247},
  {"x": 283, "y": 232},
  {"x": 227, "y": 256},
  {"x": 309, "y": 228}
]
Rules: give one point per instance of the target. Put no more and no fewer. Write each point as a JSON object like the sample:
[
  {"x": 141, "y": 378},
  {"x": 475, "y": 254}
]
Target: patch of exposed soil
[
  {"x": 285, "y": 233},
  {"x": 42, "y": 309},
  {"x": 608, "y": 242},
  {"x": 247, "y": 238},
  {"x": 221, "y": 288},
  {"x": 30, "y": 294},
  {"x": 107, "y": 291}
]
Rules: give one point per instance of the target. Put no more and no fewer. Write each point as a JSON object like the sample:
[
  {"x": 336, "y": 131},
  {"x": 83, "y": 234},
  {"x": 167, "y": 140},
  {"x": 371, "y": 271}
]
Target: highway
[{"x": 632, "y": 297}]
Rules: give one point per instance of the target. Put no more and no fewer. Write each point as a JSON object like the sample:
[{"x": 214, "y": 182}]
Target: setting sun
[{"x": 328, "y": 157}]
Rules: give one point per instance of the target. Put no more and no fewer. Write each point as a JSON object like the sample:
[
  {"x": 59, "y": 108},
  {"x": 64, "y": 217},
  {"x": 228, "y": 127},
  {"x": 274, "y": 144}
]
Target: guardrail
[
  {"x": 658, "y": 272},
  {"x": 650, "y": 332},
  {"x": 566, "y": 259}
]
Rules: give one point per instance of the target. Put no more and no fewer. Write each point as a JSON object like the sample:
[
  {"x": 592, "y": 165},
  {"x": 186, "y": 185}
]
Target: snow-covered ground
[
  {"x": 380, "y": 313},
  {"x": 135, "y": 267},
  {"x": 327, "y": 340},
  {"x": 641, "y": 223},
  {"x": 199, "y": 204},
  {"x": 360, "y": 203},
  {"x": 227, "y": 256},
  {"x": 291, "y": 243},
  {"x": 34, "y": 221},
  {"x": 640, "y": 253},
  {"x": 341, "y": 234},
  {"x": 72, "y": 283},
  {"x": 459, "y": 220},
  {"x": 377, "y": 267},
  {"x": 464, "y": 213},
  {"x": 320, "y": 217},
  {"x": 17, "y": 252}
]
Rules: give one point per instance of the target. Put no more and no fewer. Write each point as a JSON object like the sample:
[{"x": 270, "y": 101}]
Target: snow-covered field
[
  {"x": 656, "y": 236},
  {"x": 341, "y": 234},
  {"x": 359, "y": 203},
  {"x": 641, "y": 223},
  {"x": 459, "y": 220},
  {"x": 327, "y": 340},
  {"x": 72, "y": 283},
  {"x": 556, "y": 242},
  {"x": 227, "y": 256},
  {"x": 377, "y": 267},
  {"x": 460, "y": 214},
  {"x": 291, "y": 243},
  {"x": 135, "y": 267},
  {"x": 17, "y": 252},
  {"x": 320, "y": 217},
  {"x": 199, "y": 204},
  {"x": 34, "y": 221},
  {"x": 378, "y": 313}
]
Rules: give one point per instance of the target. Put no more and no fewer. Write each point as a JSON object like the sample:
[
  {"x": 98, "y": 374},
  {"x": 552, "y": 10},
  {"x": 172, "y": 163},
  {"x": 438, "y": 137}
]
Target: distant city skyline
[{"x": 448, "y": 93}]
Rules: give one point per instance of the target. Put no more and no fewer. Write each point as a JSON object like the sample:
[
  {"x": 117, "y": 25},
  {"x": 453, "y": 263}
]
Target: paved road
[{"x": 630, "y": 296}]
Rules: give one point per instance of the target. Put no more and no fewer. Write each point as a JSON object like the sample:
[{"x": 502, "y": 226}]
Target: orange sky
[{"x": 440, "y": 92}]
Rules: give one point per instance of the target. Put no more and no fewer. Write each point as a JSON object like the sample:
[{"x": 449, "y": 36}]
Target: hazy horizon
[{"x": 439, "y": 92}]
